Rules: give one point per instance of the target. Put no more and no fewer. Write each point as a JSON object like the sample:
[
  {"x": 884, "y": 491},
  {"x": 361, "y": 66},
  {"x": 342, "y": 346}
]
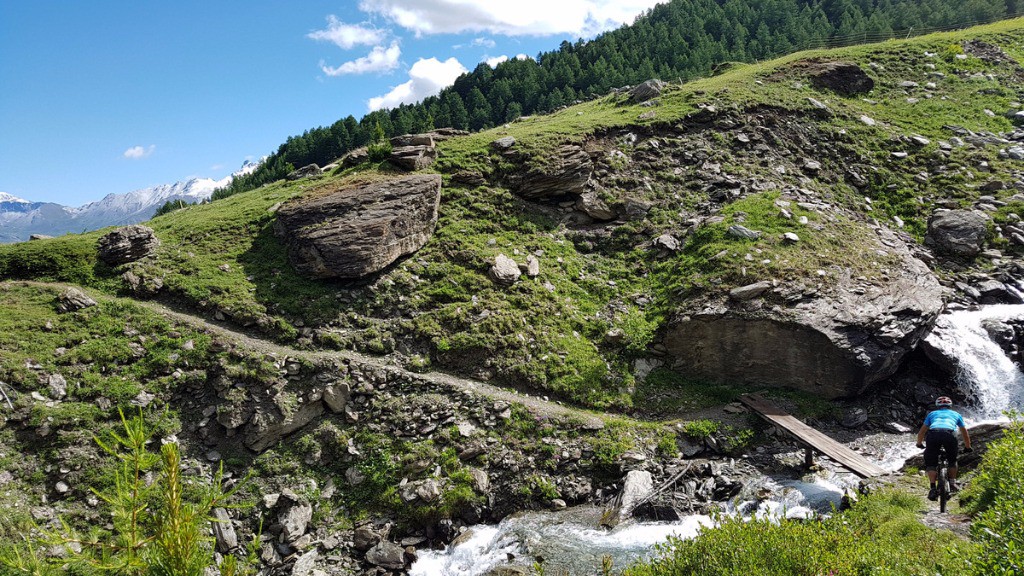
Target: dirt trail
[{"x": 223, "y": 330}]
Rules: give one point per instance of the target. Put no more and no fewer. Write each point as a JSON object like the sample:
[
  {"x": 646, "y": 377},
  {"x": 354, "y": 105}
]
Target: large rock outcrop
[
  {"x": 566, "y": 173},
  {"x": 833, "y": 345},
  {"x": 356, "y": 231},
  {"x": 126, "y": 244}
]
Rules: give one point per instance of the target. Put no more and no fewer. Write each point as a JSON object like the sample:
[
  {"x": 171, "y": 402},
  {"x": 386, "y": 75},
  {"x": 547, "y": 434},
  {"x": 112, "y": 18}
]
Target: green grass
[
  {"x": 880, "y": 535},
  {"x": 549, "y": 333}
]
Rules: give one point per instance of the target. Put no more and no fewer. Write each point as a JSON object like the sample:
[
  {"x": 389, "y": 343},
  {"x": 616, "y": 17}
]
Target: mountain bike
[{"x": 942, "y": 479}]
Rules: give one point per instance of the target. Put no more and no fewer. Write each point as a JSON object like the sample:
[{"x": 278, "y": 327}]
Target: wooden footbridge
[{"x": 811, "y": 438}]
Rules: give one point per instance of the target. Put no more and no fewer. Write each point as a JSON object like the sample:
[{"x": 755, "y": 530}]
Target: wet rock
[
  {"x": 126, "y": 244},
  {"x": 636, "y": 488},
  {"x": 957, "y": 233},
  {"x": 854, "y": 418},
  {"x": 357, "y": 231},
  {"x": 72, "y": 299}
]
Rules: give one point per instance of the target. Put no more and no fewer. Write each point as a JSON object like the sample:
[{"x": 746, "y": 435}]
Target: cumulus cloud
[
  {"x": 582, "y": 18},
  {"x": 347, "y": 36},
  {"x": 426, "y": 78},
  {"x": 137, "y": 152},
  {"x": 380, "y": 59},
  {"x": 493, "y": 62}
]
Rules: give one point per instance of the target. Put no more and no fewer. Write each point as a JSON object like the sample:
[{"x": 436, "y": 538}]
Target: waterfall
[{"x": 990, "y": 380}]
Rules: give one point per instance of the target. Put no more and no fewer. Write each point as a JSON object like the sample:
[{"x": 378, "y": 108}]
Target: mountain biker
[{"x": 939, "y": 432}]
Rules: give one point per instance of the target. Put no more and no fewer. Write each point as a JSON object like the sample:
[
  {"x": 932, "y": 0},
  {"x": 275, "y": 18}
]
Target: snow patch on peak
[{"x": 5, "y": 197}]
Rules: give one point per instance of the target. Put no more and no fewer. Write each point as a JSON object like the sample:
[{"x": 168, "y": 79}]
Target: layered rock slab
[
  {"x": 833, "y": 345},
  {"x": 356, "y": 231}
]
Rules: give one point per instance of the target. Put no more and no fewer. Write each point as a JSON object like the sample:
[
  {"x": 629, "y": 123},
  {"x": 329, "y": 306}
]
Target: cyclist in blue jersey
[{"x": 939, "y": 432}]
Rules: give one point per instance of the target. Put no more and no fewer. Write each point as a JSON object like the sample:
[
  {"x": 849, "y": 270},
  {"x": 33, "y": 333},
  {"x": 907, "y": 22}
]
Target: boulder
[
  {"x": 336, "y": 397},
  {"x": 142, "y": 286},
  {"x": 591, "y": 205},
  {"x": 647, "y": 90},
  {"x": 843, "y": 78},
  {"x": 365, "y": 537},
  {"x": 304, "y": 566},
  {"x": 39, "y": 237},
  {"x": 749, "y": 291},
  {"x": 565, "y": 173},
  {"x": 413, "y": 152},
  {"x": 833, "y": 345},
  {"x": 387, "y": 555},
  {"x": 266, "y": 429},
  {"x": 503, "y": 143},
  {"x": 304, "y": 172},
  {"x": 957, "y": 233},
  {"x": 504, "y": 271},
  {"x": 295, "y": 514},
  {"x": 637, "y": 486},
  {"x": 223, "y": 531},
  {"x": 352, "y": 232},
  {"x": 126, "y": 244},
  {"x": 72, "y": 299}
]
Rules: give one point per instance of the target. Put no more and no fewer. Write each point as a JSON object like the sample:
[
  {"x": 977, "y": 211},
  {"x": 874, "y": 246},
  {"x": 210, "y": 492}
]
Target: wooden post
[{"x": 809, "y": 457}]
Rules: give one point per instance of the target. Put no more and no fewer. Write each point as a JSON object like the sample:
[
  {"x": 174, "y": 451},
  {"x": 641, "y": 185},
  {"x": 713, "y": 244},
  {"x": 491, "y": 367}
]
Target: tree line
[{"x": 678, "y": 40}]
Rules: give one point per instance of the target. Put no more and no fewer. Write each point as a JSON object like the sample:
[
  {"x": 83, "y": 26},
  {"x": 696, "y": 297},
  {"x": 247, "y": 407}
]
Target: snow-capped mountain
[{"x": 20, "y": 218}]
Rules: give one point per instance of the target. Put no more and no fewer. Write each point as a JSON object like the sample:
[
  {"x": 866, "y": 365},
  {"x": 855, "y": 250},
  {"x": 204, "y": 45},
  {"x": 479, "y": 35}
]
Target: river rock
[
  {"x": 844, "y": 78},
  {"x": 636, "y": 487},
  {"x": 72, "y": 299},
  {"x": 833, "y": 345},
  {"x": 353, "y": 232},
  {"x": 387, "y": 555},
  {"x": 957, "y": 233},
  {"x": 126, "y": 244}
]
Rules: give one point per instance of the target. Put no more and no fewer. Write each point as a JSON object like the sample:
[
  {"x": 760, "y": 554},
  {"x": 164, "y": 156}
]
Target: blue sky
[{"x": 112, "y": 96}]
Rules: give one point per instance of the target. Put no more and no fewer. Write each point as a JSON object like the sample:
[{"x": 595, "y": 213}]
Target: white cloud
[
  {"x": 380, "y": 59},
  {"x": 581, "y": 18},
  {"x": 483, "y": 43},
  {"x": 347, "y": 35},
  {"x": 426, "y": 78},
  {"x": 493, "y": 62},
  {"x": 136, "y": 152}
]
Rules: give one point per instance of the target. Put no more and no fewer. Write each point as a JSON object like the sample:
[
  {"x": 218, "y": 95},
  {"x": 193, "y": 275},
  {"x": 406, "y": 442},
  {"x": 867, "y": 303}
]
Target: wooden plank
[{"x": 856, "y": 463}]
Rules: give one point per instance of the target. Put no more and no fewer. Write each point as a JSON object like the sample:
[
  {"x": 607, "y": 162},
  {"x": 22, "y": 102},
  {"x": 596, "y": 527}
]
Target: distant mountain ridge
[{"x": 21, "y": 218}]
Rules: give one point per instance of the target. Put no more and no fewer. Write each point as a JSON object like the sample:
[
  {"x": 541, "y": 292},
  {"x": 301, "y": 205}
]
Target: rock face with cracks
[
  {"x": 834, "y": 345},
  {"x": 353, "y": 232}
]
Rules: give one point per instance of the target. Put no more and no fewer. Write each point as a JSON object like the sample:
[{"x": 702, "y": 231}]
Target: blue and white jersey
[{"x": 944, "y": 419}]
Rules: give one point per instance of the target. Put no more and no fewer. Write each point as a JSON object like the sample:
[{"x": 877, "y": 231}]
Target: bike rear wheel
[{"x": 943, "y": 486}]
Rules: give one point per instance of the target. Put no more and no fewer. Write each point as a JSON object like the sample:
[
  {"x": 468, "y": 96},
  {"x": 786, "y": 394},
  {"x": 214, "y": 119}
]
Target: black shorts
[{"x": 936, "y": 440}]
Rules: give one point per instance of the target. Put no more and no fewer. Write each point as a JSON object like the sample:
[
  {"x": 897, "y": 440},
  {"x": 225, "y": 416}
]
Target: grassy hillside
[{"x": 438, "y": 307}]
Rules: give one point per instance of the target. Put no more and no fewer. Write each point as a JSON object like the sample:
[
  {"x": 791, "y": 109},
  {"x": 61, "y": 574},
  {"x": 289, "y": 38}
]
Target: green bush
[
  {"x": 881, "y": 535},
  {"x": 996, "y": 494}
]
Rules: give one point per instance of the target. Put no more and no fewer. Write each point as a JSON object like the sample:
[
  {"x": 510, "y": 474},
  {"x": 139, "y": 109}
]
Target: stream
[{"x": 569, "y": 541}]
